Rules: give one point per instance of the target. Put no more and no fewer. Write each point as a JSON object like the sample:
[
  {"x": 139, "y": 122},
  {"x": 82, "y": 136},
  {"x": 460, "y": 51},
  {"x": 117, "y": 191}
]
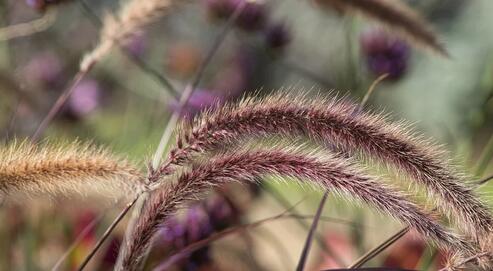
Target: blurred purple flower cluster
[
  {"x": 199, "y": 100},
  {"x": 198, "y": 223},
  {"x": 137, "y": 44},
  {"x": 85, "y": 99},
  {"x": 230, "y": 82},
  {"x": 253, "y": 18},
  {"x": 44, "y": 69},
  {"x": 41, "y": 5},
  {"x": 385, "y": 53}
]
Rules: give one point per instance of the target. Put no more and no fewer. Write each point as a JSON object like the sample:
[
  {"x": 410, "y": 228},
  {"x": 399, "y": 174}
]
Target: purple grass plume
[
  {"x": 344, "y": 126},
  {"x": 328, "y": 172}
]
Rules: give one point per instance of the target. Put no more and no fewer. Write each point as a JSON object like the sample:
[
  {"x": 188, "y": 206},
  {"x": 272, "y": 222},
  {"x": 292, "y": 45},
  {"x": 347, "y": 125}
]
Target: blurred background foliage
[{"x": 291, "y": 46}]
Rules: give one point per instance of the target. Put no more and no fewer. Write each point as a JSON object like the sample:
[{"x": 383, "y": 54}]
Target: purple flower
[
  {"x": 201, "y": 99},
  {"x": 220, "y": 9},
  {"x": 253, "y": 16},
  {"x": 235, "y": 77},
  {"x": 137, "y": 44},
  {"x": 222, "y": 212},
  {"x": 85, "y": 99},
  {"x": 41, "y": 5},
  {"x": 197, "y": 223},
  {"x": 385, "y": 53},
  {"x": 36, "y": 4},
  {"x": 277, "y": 36},
  {"x": 45, "y": 68}
]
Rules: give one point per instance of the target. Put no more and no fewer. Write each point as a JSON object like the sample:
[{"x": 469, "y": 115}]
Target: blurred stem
[
  {"x": 351, "y": 54},
  {"x": 485, "y": 158},
  {"x": 29, "y": 248},
  {"x": 77, "y": 241},
  {"x": 302, "y": 71},
  {"x": 428, "y": 258},
  {"x": 278, "y": 245},
  {"x": 304, "y": 224}
]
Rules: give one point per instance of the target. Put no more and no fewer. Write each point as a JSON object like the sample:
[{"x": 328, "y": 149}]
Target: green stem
[{"x": 485, "y": 158}]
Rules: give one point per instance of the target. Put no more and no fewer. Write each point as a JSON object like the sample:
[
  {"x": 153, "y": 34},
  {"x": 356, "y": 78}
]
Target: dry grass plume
[
  {"x": 63, "y": 169},
  {"x": 133, "y": 16}
]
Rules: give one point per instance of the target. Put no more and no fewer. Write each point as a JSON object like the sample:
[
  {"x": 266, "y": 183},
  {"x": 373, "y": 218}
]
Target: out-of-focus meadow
[{"x": 274, "y": 46}]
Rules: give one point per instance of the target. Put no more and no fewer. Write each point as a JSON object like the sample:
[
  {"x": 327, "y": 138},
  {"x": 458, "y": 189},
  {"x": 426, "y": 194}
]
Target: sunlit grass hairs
[
  {"x": 317, "y": 168},
  {"x": 63, "y": 169}
]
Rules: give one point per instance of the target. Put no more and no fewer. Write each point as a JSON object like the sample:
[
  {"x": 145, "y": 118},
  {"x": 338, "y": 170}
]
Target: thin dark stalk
[
  {"x": 282, "y": 200},
  {"x": 378, "y": 249},
  {"x": 58, "y": 104},
  {"x": 106, "y": 234},
  {"x": 309, "y": 239},
  {"x": 293, "y": 67},
  {"x": 484, "y": 180}
]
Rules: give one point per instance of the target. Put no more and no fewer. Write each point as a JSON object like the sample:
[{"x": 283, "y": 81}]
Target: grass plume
[
  {"x": 118, "y": 29},
  {"x": 396, "y": 16},
  {"x": 76, "y": 168},
  {"x": 341, "y": 124},
  {"x": 244, "y": 166}
]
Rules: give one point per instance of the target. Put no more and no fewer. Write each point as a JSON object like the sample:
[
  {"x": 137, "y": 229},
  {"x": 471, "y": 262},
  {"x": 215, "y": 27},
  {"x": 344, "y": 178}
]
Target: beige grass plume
[
  {"x": 63, "y": 169},
  {"x": 118, "y": 29},
  {"x": 396, "y": 16}
]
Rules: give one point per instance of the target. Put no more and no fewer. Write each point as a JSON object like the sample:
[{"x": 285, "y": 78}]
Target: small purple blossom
[
  {"x": 45, "y": 68},
  {"x": 253, "y": 17},
  {"x": 236, "y": 76},
  {"x": 198, "y": 223},
  {"x": 137, "y": 44},
  {"x": 220, "y": 9},
  {"x": 385, "y": 53},
  {"x": 85, "y": 99},
  {"x": 277, "y": 36},
  {"x": 41, "y": 5},
  {"x": 201, "y": 99}
]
